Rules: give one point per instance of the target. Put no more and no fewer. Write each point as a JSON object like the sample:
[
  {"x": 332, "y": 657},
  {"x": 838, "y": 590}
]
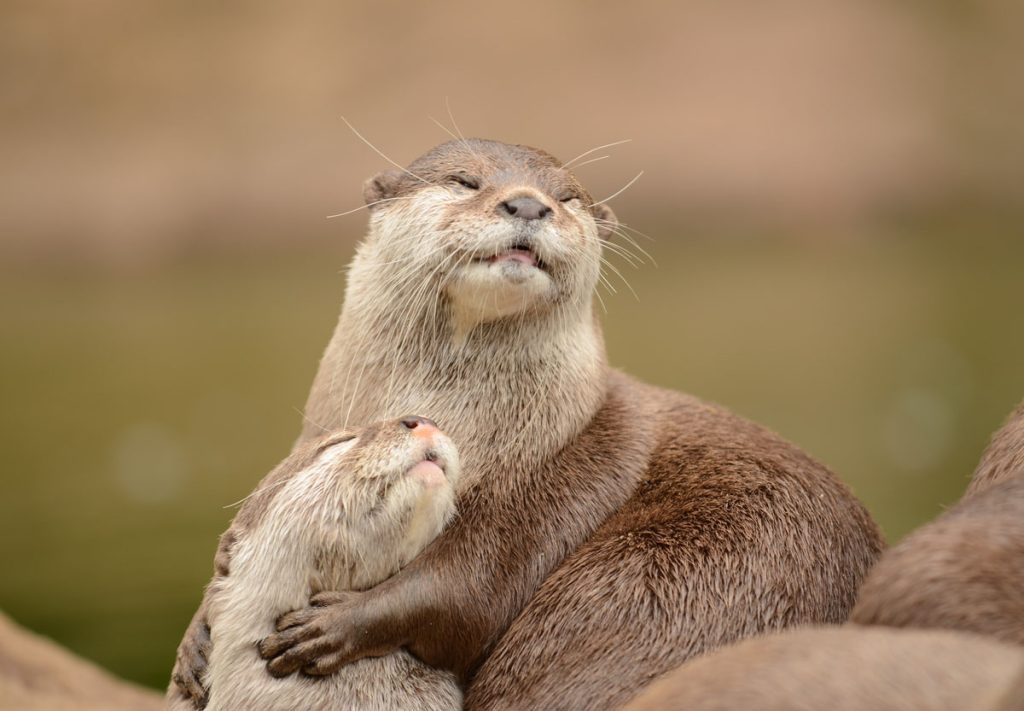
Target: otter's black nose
[
  {"x": 526, "y": 208},
  {"x": 414, "y": 421}
]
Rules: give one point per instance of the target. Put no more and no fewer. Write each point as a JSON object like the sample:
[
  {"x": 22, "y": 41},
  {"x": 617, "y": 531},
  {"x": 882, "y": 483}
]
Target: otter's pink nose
[{"x": 420, "y": 426}]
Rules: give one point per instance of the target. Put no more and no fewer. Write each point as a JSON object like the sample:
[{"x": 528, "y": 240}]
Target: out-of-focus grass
[{"x": 137, "y": 407}]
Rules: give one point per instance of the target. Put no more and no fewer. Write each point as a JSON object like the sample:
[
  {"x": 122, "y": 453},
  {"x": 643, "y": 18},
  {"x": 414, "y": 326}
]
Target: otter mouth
[
  {"x": 429, "y": 472},
  {"x": 518, "y": 254}
]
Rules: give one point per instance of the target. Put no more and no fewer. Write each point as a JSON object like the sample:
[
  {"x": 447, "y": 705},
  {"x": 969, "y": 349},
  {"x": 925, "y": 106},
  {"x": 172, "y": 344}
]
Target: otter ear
[
  {"x": 607, "y": 221},
  {"x": 382, "y": 186}
]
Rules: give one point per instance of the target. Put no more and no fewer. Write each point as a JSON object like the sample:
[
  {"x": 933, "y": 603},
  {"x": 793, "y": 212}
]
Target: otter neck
[{"x": 509, "y": 392}]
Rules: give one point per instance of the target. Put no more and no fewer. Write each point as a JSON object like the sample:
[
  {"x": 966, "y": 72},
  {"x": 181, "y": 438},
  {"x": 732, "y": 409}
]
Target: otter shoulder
[{"x": 684, "y": 420}]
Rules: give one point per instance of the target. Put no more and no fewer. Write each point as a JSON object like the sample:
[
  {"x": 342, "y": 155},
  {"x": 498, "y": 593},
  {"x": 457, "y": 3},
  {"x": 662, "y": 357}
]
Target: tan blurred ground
[{"x": 835, "y": 191}]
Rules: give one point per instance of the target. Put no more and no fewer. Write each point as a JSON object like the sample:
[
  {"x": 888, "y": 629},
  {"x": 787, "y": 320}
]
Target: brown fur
[
  {"x": 965, "y": 570},
  {"x": 1004, "y": 457},
  {"x": 845, "y": 669},
  {"x": 608, "y": 530},
  {"x": 37, "y": 675},
  {"x": 730, "y": 533}
]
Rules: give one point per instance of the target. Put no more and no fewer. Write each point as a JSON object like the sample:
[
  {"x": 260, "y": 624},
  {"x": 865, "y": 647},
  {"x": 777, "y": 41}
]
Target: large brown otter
[
  {"x": 609, "y": 530},
  {"x": 965, "y": 570}
]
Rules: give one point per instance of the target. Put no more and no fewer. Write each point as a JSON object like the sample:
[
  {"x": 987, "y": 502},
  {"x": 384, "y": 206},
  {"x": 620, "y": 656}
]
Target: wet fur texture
[
  {"x": 846, "y": 669},
  {"x": 965, "y": 570},
  {"x": 341, "y": 513},
  {"x": 608, "y": 530},
  {"x": 961, "y": 575}
]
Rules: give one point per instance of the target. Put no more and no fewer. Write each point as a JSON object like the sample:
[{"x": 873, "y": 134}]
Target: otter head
[
  {"x": 496, "y": 230},
  {"x": 365, "y": 501}
]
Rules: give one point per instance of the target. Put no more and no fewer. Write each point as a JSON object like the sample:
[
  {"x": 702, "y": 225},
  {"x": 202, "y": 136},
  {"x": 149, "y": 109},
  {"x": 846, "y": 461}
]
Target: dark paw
[
  {"x": 312, "y": 639},
  {"x": 190, "y": 665}
]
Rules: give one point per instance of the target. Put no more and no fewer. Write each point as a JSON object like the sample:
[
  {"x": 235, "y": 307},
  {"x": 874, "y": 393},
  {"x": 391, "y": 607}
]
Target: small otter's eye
[
  {"x": 334, "y": 442},
  {"x": 569, "y": 197},
  {"x": 465, "y": 181}
]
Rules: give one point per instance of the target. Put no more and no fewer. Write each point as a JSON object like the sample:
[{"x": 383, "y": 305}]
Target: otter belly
[{"x": 397, "y": 681}]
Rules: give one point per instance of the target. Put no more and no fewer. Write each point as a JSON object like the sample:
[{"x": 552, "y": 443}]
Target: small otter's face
[
  {"x": 377, "y": 495},
  {"x": 503, "y": 229}
]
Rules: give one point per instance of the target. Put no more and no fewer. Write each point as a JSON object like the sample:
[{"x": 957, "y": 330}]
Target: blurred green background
[{"x": 833, "y": 192}]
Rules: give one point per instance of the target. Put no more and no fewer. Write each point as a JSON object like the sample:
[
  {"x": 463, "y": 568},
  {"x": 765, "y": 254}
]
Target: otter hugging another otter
[{"x": 608, "y": 530}]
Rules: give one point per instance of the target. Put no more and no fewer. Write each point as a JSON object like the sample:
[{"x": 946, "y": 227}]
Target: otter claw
[
  {"x": 292, "y": 619},
  {"x": 324, "y": 666}
]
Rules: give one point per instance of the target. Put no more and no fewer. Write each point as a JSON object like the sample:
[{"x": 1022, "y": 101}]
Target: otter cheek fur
[{"x": 342, "y": 514}]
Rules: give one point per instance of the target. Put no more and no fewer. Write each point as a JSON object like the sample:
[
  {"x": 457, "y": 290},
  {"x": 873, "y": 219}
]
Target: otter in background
[
  {"x": 846, "y": 668},
  {"x": 965, "y": 570},
  {"x": 341, "y": 513}
]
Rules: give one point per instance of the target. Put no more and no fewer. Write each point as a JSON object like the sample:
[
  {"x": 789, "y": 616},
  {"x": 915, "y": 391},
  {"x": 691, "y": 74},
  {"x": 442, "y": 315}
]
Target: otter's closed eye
[
  {"x": 568, "y": 197},
  {"x": 334, "y": 442},
  {"x": 465, "y": 181}
]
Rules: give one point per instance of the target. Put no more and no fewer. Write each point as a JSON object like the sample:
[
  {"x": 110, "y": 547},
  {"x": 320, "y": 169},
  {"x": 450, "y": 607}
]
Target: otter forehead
[{"x": 495, "y": 164}]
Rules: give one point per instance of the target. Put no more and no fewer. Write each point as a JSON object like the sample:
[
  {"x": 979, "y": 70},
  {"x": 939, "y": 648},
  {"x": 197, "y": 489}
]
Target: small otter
[
  {"x": 965, "y": 570},
  {"x": 608, "y": 530},
  {"x": 341, "y": 513},
  {"x": 846, "y": 668}
]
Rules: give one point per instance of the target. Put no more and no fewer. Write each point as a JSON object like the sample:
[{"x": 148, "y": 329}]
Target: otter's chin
[{"x": 488, "y": 290}]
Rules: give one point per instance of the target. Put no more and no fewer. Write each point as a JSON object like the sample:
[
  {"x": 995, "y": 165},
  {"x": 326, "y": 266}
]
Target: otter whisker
[
  {"x": 370, "y": 204},
  {"x": 268, "y": 487},
  {"x": 619, "y": 191},
  {"x": 624, "y": 226},
  {"x": 444, "y": 128},
  {"x": 633, "y": 229},
  {"x": 448, "y": 107},
  {"x": 381, "y": 153},
  {"x": 607, "y": 284},
  {"x": 310, "y": 420},
  {"x": 567, "y": 164},
  {"x": 620, "y": 251},
  {"x": 621, "y": 276},
  {"x": 592, "y": 160}
]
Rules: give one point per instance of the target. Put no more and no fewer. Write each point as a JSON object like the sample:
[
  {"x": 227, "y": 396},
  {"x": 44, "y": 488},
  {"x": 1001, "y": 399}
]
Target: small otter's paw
[
  {"x": 191, "y": 662},
  {"x": 319, "y": 639}
]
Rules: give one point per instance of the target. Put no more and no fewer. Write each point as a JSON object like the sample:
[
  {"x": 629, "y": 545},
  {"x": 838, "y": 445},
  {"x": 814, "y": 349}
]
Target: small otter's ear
[
  {"x": 382, "y": 186},
  {"x": 606, "y": 220}
]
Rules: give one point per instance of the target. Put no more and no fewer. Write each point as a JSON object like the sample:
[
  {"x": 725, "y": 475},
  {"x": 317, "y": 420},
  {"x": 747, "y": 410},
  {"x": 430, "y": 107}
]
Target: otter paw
[
  {"x": 191, "y": 663},
  {"x": 315, "y": 639}
]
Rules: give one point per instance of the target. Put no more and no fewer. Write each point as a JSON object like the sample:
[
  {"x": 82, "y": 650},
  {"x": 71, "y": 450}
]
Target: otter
[
  {"x": 343, "y": 512},
  {"x": 965, "y": 570},
  {"x": 846, "y": 668},
  {"x": 608, "y": 529}
]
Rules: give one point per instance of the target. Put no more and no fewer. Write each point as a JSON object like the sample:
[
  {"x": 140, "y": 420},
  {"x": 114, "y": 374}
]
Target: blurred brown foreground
[{"x": 37, "y": 675}]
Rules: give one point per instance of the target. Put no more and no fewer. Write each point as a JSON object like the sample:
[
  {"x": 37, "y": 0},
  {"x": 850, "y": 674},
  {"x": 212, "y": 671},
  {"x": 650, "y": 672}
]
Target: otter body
[
  {"x": 344, "y": 512},
  {"x": 608, "y": 530},
  {"x": 965, "y": 570},
  {"x": 960, "y": 576},
  {"x": 845, "y": 669}
]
